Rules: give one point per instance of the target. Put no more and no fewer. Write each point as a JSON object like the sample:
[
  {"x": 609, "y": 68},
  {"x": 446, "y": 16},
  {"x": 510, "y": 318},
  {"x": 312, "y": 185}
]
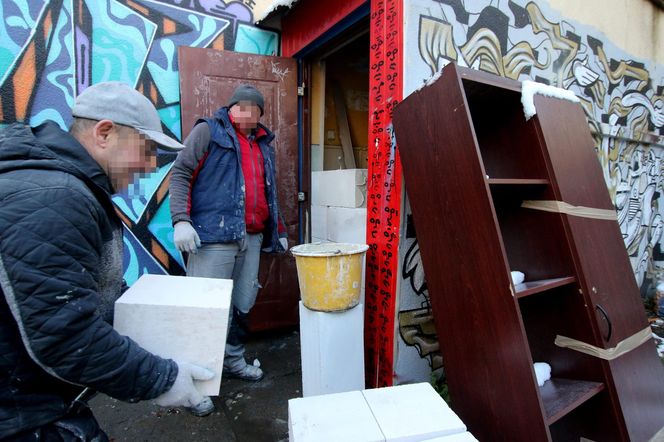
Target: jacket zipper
[{"x": 255, "y": 179}]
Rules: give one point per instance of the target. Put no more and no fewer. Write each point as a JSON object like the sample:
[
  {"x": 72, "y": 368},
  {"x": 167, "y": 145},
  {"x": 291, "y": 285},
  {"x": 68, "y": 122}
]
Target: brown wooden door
[
  {"x": 607, "y": 276},
  {"x": 207, "y": 80}
]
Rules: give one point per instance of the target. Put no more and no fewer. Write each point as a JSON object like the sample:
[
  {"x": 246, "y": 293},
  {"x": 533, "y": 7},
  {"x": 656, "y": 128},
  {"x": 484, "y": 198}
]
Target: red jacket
[{"x": 256, "y": 210}]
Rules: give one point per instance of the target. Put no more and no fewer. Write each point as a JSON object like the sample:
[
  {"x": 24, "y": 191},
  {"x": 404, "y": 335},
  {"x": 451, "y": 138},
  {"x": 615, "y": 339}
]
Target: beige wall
[{"x": 635, "y": 26}]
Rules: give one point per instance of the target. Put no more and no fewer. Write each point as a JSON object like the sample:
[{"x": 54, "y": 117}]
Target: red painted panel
[
  {"x": 383, "y": 190},
  {"x": 309, "y": 19}
]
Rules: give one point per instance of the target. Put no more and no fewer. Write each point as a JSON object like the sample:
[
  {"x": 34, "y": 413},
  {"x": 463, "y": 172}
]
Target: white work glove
[
  {"x": 284, "y": 243},
  {"x": 185, "y": 237},
  {"x": 183, "y": 393}
]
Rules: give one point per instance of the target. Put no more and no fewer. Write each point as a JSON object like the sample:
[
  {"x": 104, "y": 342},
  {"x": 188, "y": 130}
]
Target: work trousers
[
  {"x": 239, "y": 262},
  {"x": 77, "y": 426}
]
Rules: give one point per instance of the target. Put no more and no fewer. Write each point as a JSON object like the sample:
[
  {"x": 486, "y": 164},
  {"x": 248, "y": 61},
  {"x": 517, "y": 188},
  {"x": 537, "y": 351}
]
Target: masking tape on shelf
[
  {"x": 624, "y": 346},
  {"x": 562, "y": 207}
]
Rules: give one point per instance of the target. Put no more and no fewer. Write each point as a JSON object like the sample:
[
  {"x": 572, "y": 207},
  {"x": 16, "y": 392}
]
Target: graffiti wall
[
  {"x": 51, "y": 50},
  {"x": 622, "y": 97}
]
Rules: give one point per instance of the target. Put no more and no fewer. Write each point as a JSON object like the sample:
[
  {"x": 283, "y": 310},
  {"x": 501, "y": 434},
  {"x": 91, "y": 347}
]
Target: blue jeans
[{"x": 239, "y": 262}]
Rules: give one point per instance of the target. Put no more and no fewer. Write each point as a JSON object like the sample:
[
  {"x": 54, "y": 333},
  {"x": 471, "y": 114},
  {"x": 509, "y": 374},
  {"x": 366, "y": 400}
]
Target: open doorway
[{"x": 339, "y": 131}]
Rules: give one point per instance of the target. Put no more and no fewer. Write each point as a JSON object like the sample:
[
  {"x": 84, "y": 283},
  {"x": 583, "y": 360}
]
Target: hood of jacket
[{"x": 48, "y": 147}]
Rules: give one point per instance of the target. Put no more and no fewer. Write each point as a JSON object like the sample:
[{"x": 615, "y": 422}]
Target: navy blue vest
[{"x": 218, "y": 195}]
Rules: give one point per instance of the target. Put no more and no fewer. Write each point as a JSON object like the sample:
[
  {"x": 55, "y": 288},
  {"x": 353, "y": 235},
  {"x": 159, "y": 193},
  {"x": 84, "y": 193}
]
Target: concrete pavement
[{"x": 246, "y": 411}]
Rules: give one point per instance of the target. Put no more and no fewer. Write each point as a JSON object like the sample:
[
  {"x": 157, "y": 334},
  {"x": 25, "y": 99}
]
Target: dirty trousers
[
  {"x": 239, "y": 262},
  {"x": 76, "y": 426}
]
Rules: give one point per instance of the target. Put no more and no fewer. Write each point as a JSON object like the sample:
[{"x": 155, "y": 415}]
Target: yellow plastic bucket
[{"x": 330, "y": 275}]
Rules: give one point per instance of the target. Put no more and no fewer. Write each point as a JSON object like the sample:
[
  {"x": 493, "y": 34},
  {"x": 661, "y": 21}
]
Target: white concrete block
[
  {"x": 332, "y": 346},
  {"x": 332, "y": 418},
  {"x": 318, "y": 221},
  {"x": 341, "y": 188},
  {"x": 178, "y": 317},
  {"x": 317, "y": 157},
  {"x": 347, "y": 225},
  {"x": 458, "y": 437},
  {"x": 412, "y": 412}
]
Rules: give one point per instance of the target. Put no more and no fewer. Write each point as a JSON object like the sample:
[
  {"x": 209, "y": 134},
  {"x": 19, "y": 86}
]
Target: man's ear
[{"x": 101, "y": 131}]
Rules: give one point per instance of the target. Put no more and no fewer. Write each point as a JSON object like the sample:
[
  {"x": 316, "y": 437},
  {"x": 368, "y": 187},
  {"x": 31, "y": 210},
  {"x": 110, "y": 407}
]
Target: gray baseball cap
[{"x": 122, "y": 104}]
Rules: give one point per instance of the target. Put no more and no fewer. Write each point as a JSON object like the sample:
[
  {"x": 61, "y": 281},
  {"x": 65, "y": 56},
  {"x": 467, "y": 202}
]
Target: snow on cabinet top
[
  {"x": 530, "y": 88},
  {"x": 528, "y": 91}
]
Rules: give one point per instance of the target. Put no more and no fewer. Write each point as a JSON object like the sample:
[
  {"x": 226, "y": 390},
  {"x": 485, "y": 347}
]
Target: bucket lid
[{"x": 328, "y": 249}]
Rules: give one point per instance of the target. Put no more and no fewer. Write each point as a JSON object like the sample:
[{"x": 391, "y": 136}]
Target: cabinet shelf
[
  {"x": 517, "y": 181},
  {"x": 561, "y": 396},
  {"x": 528, "y": 288}
]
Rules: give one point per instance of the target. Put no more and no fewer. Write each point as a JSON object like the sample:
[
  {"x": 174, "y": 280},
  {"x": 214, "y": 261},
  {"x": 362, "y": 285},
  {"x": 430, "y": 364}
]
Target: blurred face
[
  {"x": 131, "y": 155},
  {"x": 246, "y": 115}
]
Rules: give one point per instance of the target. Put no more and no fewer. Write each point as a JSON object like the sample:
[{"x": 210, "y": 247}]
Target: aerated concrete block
[
  {"x": 403, "y": 413},
  {"x": 178, "y": 317},
  {"x": 412, "y": 412},
  {"x": 332, "y": 346},
  {"x": 332, "y": 418},
  {"x": 347, "y": 225},
  {"x": 318, "y": 221},
  {"x": 459, "y": 437},
  {"x": 341, "y": 188}
]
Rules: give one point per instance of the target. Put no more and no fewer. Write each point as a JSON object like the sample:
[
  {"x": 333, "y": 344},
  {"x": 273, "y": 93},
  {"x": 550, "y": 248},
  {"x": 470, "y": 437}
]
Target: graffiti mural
[
  {"x": 623, "y": 99},
  {"x": 51, "y": 50}
]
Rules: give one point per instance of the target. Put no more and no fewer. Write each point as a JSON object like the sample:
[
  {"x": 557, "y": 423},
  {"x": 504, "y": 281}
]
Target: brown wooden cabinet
[{"x": 470, "y": 159}]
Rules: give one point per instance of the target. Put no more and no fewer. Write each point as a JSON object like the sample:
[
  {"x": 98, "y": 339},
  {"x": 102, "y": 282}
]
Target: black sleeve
[{"x": 49, "y": 253}]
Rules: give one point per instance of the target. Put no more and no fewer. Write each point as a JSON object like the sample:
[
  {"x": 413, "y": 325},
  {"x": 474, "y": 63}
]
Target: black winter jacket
[{"x": 58, "y": 278}]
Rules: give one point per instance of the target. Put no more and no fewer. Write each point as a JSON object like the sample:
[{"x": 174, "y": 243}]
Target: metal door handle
[{"x": 608, "y": 320}]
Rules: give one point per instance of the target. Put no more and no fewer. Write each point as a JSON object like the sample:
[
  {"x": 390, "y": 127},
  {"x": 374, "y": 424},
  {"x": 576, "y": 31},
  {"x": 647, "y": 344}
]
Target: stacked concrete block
[
  {"x": 319, "y": 223},
  {"x": 459, "y": 437},
  {"x": 333, "y": 418},
  {"x": 412, "y": 412},
  {"x": 317, "y": 155},
  {"x": 341, "y": 188},
  {"x": 332, "y": 342},
  {"x": 404, "y": 413},
  {"x": 181, "y": 318},
  {"x": 339, "y": 211},
  {"x": 332, "y": 351},
  {"x": 348, "y": 225}
]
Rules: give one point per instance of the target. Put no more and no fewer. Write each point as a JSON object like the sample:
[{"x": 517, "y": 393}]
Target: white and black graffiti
[{"x": 623, "y": 99}]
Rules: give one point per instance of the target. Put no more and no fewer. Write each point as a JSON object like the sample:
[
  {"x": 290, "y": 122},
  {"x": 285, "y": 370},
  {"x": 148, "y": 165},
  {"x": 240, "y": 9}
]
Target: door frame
[
  {"x": 384, "y": 189},
  {"x": 304, "y": 57}
]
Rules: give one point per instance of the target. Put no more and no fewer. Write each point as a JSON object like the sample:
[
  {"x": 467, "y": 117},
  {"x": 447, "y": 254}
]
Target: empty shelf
[
  {"x": 560, "y": 396},
  {"x": 517, "y": 181},
  {"x": 531, "y": 287}
]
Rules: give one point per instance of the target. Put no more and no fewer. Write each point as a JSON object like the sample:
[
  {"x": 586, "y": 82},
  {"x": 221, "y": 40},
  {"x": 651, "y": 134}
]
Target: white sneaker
[
  {"x": 203, "y": 408},
  {"x": 247, "y": 373}
]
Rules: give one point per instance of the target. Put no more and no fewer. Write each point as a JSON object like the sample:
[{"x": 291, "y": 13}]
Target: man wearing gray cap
[
  {"x": 224, "y": 208},
  {"x": 61, "y": 270}
]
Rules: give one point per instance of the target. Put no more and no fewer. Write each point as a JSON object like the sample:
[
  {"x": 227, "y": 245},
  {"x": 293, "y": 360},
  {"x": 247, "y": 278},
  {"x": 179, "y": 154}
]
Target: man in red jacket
[{"x": 224, "y": 208}]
